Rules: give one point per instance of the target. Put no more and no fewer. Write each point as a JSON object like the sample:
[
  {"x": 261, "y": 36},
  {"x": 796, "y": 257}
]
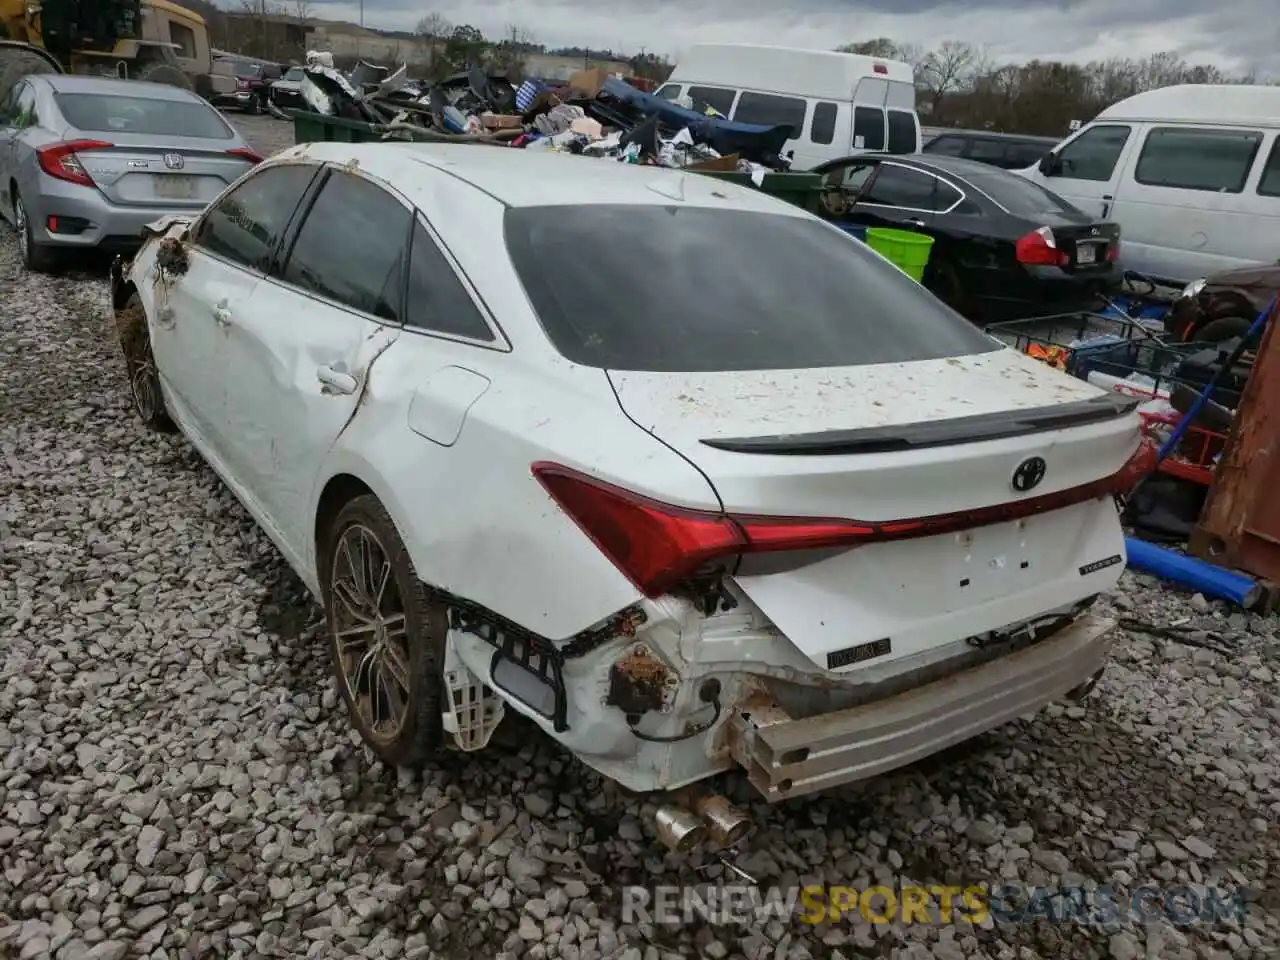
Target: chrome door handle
[
  {"x": 333, "y": 381},
  {"x": 915, "y": 222}
]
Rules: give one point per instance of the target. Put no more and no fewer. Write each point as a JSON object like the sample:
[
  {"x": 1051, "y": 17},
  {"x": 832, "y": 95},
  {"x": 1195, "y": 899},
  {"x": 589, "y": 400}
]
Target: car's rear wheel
[
  {"x": 38, "y": 257},
  {"x": 386, "y": 635},
  {"x": 140, "y": 366}
]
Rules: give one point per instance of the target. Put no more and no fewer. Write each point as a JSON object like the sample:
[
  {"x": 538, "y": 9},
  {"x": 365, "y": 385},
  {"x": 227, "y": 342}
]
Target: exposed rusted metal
[
  {"x": 640, "y": 682},
  {"x": 1240, "y": 524}
]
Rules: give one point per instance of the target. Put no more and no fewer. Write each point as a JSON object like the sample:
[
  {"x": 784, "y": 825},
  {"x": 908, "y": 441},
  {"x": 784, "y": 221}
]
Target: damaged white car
[{"x": 685, "y": 475}]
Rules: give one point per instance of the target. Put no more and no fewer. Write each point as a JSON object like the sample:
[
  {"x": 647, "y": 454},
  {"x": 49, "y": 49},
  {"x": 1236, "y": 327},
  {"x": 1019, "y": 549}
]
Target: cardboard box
[
  {"x": 588, "y": 82},
  {"x": 499, "y": 121}
]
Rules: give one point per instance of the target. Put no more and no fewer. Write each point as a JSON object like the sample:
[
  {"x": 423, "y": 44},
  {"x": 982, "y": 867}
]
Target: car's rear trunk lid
[
  {"x": 896, "y": 442},
  {"x": 184, "y": 172}
]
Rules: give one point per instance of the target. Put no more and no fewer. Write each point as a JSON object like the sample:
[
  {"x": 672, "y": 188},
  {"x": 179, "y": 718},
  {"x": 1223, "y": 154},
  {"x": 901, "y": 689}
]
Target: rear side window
[
  {"x": 985, "y": 150},
  {"x": 718, "y": 98},
  {"x": 1191, "y": 159},
  {"x": 1020, "y": 155},
  {"x": 868, "y": 128},
  {"x": 1269, "y": 184},
  {"x": 111, "y": 113},
  {"x": 351, "y": 248},
  {"x": 770, "y": 111},
  {"x": 1094, "y": 154},
  {"x": 946, "y": 146},
  {"x": 1019, "y": 196},
  {"x": 823, "y": 127},
  {"x": 896, "y": 186},
  {"x": 812, "y": 298},
  {"x": 437, "y": 301},
  {"x": 902, "y": 132},
  {"x": 246, "y": 224}
]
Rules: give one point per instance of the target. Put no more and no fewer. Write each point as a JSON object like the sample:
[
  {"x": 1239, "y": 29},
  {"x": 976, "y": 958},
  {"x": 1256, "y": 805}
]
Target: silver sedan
[{"x": 87, "y": 162}]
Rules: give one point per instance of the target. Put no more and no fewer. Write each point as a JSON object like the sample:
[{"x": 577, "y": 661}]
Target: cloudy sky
[{"x": 1235, "y": 34}]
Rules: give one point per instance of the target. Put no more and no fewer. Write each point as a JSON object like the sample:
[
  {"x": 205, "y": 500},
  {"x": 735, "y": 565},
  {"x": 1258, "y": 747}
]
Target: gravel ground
[{"x": 178, "y": 778}]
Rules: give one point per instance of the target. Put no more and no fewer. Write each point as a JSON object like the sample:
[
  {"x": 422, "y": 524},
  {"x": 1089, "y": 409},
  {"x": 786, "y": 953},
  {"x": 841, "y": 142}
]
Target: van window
[
  {"x": 899, "y": 93},
  {"x": 1094, "y": 154},
  {"x": 717, "y": 98},
  {"x": 1269, "y": 184},
  {"x": 1197, "y": 159},
  {"x": 669, "y": 91},
  {"x": 1019, "y": 155},
  {"x": 868, "y": 128},
  {"x": 902, "y": 132},
  {"x": 823, "y": 127},
  {"x": 770, "y": 111}
]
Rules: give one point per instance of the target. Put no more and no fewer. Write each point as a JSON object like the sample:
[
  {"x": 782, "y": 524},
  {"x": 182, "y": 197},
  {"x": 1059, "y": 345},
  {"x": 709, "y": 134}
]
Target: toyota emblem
[
  {"x": 1029, "y": 474},
  {"x": 173, "y": 161}
]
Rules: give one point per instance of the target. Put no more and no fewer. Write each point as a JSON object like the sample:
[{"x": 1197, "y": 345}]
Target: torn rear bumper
[{"x": 786, "y": 757}]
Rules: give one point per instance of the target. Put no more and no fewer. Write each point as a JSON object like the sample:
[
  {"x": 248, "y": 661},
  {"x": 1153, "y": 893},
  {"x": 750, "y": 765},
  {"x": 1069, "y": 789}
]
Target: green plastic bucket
[{"x": 908, "y": 251}]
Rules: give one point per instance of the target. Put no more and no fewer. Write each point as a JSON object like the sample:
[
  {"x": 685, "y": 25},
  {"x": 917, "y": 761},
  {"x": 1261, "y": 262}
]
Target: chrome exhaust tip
[
  {"x": 1076, "y": 694},
  {"x": 678, "y": 829},
  {"x": 726, "y": 824}
]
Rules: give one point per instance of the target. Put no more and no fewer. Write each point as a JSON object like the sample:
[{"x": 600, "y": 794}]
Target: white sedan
[{"x": 685, "y": 475}]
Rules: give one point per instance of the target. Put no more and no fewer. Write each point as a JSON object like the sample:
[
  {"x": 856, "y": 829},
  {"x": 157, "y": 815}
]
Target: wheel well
[{"x": 337, "y": 493}]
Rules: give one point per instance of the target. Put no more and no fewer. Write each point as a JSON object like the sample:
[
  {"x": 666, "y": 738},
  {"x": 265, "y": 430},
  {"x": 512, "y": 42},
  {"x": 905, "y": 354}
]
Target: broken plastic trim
[{"x": 951, "y": 432}]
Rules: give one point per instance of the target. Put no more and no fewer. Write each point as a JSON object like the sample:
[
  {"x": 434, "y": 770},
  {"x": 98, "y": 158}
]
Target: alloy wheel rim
[
  {"x": 20, "y": 218},
  {"x": 369, "y": 632}
]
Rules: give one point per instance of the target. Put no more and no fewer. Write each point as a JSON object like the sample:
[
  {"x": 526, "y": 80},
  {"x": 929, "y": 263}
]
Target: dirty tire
[
  {"x": 1224, "y": 328},
  {"x": 36, "y": 257},
  {"x": 367, "y": 577},
  {"x": 140, "y": 366},
  {"x": 943, "y": 281},
  {"x": 159, "y": 71},
  {"x": 16, "y": 63}
]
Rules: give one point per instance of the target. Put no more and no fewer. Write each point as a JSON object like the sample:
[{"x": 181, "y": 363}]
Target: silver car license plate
[
  {"x": 1086, "y": 253},
  {"x": 172, "y": 186}
]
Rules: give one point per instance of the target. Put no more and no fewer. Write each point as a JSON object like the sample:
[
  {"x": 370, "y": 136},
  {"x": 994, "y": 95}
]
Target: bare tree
[
  {"x": 945, "y": 70},
  {"x": 510, "y": 52},
  {"x": 302, "y": 10},
  {"x": 433, "y": 31}
]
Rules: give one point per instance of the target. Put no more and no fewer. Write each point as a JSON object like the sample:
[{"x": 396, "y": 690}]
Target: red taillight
[
  {"x": 244, "y": 153},
  {"x": 657, "y": 545},
  {"x": 59, "y": 160},
  {"x": 1113, "y": 250},
  {"x": 1039, "y": 248}
]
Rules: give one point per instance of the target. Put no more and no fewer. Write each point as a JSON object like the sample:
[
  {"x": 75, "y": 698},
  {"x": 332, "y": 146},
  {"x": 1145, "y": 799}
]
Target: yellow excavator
[{"x": 153, "y": 40}]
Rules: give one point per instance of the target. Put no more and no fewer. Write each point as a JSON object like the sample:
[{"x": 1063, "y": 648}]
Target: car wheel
[
  {"x": 140, "y": 366},
  {"x": 1224, "y": 328},
  {"x": 943, "y": 281},
  {"x": 254, "y": 107},
  {"x": 386, "y": 636},
  {"x": 35, "y": 256}
]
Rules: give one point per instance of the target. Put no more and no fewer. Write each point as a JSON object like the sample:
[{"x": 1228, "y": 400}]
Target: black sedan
[{"x": 1004, "y": 247}]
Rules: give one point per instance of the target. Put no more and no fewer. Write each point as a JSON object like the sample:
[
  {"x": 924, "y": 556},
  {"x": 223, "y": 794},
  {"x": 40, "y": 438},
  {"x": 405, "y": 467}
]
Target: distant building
[{"x": 548, "y": 66}]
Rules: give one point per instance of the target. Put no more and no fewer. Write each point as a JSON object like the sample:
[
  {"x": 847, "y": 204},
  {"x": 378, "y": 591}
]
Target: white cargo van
[
  {"x": 837, "y": 103},
  {"x": 1191, "y": 173}
]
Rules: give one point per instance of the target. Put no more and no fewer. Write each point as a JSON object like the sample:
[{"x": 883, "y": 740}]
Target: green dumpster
[{"x": 802, "y": 189}]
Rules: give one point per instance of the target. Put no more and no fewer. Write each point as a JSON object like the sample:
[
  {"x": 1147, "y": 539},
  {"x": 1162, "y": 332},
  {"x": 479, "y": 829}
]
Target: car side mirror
[{"x": 1050, "y": 164}]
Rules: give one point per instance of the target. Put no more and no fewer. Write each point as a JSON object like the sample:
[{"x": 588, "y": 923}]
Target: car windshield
[
  {"x": 295, "y": 73},
  {"x": 111, "y": 113},
  {"x": 685, "y": 289},
  {"x": 1020, "y": 197},
  {"x": 243, "y": 69}
]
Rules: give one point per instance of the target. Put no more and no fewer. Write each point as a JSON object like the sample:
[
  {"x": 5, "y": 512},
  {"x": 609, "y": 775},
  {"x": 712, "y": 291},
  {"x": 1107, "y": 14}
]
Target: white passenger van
[
  {"x": 1191, "y": 173},
  {"x": 837, "y": 103}
]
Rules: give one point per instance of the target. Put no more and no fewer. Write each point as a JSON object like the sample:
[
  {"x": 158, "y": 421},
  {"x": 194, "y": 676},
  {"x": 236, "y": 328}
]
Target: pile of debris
[{"x": 595, "y": 114}]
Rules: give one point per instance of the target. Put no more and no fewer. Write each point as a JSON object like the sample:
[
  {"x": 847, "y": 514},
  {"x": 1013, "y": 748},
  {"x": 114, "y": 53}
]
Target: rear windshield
[
  {"x": 109, "y": 113},
  {"x": 243, "y": 69},
  {"x": 1020, "y": 197},
  {"x": 294, "y": 73},
  {"x": 694, "y": 289}
]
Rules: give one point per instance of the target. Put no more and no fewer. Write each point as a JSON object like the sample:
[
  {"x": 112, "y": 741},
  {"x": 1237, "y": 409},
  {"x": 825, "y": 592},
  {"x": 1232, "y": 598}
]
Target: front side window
[
  {"x": 351, "y": 248},
  {"x": 868, "y": 128},
  {"x": 896, "y": 186},
  {"x": 185, "y": 38},
  {"x": 112, "y": 113},
  {"x": 1197, "y": 159},
  {"x": 717, "y": 98},
  {"x": 1269, "y": 184},
  {"x": 946, "y": 146},
  {"x": 813, "y": 296},
  {"x": 246, "y": 225},
  {"x": 1094, "y": 154},
  {"x": 769, "y": 111},
  {"x": 438, "y": 302}
]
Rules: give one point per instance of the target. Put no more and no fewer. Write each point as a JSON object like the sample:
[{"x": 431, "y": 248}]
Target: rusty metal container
[{"x": 1240, "y": 524}]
